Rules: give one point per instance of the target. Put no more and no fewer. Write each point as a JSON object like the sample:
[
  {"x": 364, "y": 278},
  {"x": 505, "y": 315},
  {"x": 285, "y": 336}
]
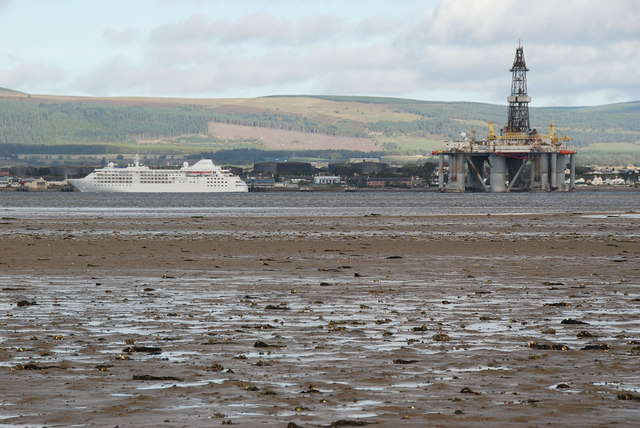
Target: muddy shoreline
[{"x": 398, "y": 321}]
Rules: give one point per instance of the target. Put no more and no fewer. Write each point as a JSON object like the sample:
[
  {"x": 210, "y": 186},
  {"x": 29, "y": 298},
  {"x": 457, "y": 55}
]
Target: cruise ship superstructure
[{"x": 204, "y": 176}]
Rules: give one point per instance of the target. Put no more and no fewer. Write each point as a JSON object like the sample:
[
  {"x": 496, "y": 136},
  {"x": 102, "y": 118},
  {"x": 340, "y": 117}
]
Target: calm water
[{"x": 311, "y": 204}]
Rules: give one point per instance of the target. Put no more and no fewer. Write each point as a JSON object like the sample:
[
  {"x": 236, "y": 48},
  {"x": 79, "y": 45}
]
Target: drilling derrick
[
  {"x": 518, "y": 120},
  {"x": 519, "y": 159}
]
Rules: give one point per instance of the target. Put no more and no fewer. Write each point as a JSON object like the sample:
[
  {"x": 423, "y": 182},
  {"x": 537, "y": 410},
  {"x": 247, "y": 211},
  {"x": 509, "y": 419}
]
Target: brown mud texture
[{"x": 525, "y": 320}]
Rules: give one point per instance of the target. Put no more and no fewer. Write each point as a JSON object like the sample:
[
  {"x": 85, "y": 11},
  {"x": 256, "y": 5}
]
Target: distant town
[{"x": 355, "y": 174}]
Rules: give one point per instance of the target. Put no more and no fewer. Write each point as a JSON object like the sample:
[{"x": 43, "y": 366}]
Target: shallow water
[{"x": 89, "y": 205}]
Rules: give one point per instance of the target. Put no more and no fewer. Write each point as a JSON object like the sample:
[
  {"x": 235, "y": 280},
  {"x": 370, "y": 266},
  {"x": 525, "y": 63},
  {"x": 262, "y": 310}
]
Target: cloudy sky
[{"x": 579, "y": 52}]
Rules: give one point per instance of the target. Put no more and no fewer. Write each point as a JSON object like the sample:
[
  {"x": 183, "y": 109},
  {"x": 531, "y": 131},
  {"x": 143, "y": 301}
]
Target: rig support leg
[
  {"x": 572, "y": 172},
  {"x": 560, "y": 167},
  {"x": 441, "y": 171},
  {"x": 457, "y": 168},
  {"x": 498, "y": 173},
  {"x": 553, "y": 174}
]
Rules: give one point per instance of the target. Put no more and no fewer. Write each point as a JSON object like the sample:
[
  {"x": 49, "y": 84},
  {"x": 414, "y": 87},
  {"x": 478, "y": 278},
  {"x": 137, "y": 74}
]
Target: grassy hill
[{"x": 394, "y": 127}]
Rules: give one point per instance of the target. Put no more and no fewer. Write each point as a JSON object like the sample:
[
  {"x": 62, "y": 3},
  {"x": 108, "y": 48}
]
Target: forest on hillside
[{"x": 25, "y": 123}]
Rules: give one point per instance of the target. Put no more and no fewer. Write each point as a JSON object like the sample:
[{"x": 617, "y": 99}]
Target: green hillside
[{"x": 59, "y": 125}]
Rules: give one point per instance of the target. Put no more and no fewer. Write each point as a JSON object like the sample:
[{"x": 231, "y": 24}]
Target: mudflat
[{"x": 320, "y": 321}]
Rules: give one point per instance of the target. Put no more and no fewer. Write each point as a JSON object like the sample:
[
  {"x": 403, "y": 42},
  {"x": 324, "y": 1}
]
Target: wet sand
[{"x": 397, "y": 321}]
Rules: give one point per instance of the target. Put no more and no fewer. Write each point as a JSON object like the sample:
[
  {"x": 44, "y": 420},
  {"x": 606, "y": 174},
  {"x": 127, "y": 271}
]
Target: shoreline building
[{"x": 519, "y": 159}]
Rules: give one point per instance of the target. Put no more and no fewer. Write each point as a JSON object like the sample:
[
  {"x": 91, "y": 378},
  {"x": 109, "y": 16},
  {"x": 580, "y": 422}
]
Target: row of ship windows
[
  {"x": 159, "y": 176},
  {"x": 129, "y": 180},
  {"x": 107, "y": 183},
  {"x": 151, "y": 178}
]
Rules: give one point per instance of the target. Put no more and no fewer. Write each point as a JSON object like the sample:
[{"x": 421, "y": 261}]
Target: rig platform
[{"x": 519, "y": 159}]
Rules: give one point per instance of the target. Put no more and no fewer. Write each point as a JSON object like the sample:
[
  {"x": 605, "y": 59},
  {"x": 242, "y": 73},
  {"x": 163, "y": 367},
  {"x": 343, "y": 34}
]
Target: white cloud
[
  {"x": 34, "y": 74},
  {"x": 256, "y": 28},
  {"x": 260, "y": 27},
  {"x": 576, "y": 50},
  {"x": 194, "y": 28},
  {"x": 489, "y": 21},
  {"x": 124, "y": 36}
]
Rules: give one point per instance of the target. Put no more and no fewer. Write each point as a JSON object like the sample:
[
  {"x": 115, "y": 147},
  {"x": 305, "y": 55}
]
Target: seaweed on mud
[
  {"x": 258, "y": 326},
  {"x": 347, "y": 423},
  {"x": 547, "y": 346},
  {"x": 151, "y": 377},
  {"x": 401, "y": 361},
  {"x": 596, "y": 347},
  {"x": 153, "y": 350},
  {"x": 280, "y": 307},
  {"x": 441, "y": 337},
  {"x": 628, "y": 396},
  {"x": 103, "y": 367},
  {"x": 34, "y": 366},
  {"x": 572, "y": 321},
  {"x": 215, "y": 367}
]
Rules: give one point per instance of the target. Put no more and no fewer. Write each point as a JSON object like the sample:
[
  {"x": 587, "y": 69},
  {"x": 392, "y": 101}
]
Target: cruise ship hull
[
  {"x": 202, "y": 177},
  {"x": 84, "y": 185}
]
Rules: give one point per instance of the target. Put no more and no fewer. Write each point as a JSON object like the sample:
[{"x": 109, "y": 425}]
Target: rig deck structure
[{"x": 519, "y": 159}]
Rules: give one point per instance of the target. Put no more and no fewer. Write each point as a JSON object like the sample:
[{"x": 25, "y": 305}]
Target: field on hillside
[
  {"x": 614, "y": 153},
  {"x": 279, "y": 139}
]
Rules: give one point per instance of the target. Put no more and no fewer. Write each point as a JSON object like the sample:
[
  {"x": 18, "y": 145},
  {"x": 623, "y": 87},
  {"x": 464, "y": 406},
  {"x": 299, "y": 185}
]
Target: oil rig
[{"x": 518, "y": 160}]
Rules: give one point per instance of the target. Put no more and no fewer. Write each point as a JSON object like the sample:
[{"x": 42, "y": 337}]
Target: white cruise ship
[{"x": 203, "y": 176}]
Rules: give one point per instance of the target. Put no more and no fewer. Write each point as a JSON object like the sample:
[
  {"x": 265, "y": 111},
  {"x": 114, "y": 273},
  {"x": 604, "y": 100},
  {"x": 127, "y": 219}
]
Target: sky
[{"x": 579, "y": 52}]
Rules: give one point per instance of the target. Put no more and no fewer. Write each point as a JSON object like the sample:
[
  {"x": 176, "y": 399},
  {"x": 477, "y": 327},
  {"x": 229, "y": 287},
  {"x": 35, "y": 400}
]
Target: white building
[{"x": 326, "y": 179}]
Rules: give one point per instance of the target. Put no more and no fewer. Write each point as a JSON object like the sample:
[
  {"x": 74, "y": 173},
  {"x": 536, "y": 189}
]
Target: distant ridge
[
  {"x": 626, "y": 106},
  {"x": 11, "y": 91}
]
